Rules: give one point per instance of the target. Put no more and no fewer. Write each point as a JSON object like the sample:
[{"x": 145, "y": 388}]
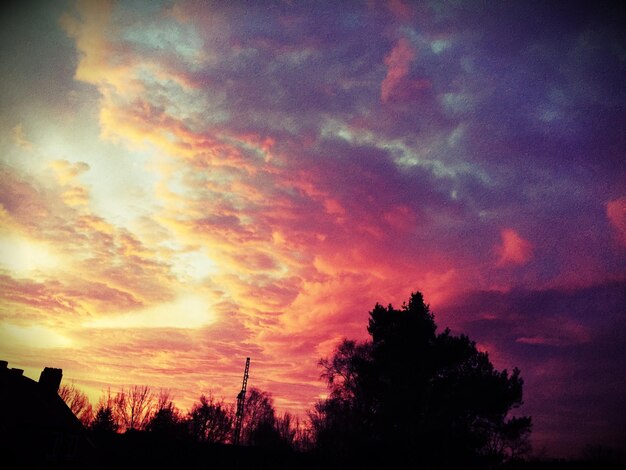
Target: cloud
[
  {"x": 397, "y": 86},
  {"x": 189, "y": 311},
  {"x": 35, "y": 336},
  {"x": 400, "y": 9},
  {"x": 20, "y": 139},
  {"x": 52, "y": 240},
  {"x": 67, "y": 172},
  {"x": 286, "y": 168},
  {"x": 513, "y": 249},
  {"x": 566, "y": 343},
  {"x": 27, "y": 257},
  {"x": 616, "y": 212}
]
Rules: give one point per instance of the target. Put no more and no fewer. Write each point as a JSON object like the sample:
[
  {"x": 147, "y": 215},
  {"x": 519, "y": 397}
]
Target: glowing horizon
[{"x": 187, "y": 184}]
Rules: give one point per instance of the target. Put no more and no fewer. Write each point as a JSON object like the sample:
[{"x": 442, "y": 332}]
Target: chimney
[
  {"x": 4, "y": 364},
  {"x": 50, "y": 379},
  {"x": 16, "y": 372}
]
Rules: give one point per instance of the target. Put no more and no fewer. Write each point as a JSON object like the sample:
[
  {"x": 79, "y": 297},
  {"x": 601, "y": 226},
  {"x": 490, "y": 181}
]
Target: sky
[{"x": 185, "y": 184}]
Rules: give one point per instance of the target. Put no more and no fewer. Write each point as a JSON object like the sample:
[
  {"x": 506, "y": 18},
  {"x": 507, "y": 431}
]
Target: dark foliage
[
  {"x": 259, "y": 420},
  {"x": 104, "y": 422},
  {"x": 210, "y": 420},
  {"x": 420, "y": 396},
  {"x": 167, "y": 420}
]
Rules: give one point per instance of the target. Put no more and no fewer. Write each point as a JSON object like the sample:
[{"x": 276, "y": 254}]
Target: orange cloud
[
  {"x": 85, "y": 246},
  {"x": 514, "y": 249},
  {"x": 101, "y": 62},
  {"x": 74, "y": 194}
]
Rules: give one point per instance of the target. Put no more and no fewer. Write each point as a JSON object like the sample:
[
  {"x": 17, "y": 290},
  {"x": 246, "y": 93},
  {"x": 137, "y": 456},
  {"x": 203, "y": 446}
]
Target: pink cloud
[
  {"x": 397, "y": 62},
  {"x": 397, "y": 86},
  {"x": 68, "y": 296},
  {"x": 616, "y": 212},
  {"x": 400, "y": 9},
  {"x": 401, "y": 218},
  {"x": 513, "y": 249}
]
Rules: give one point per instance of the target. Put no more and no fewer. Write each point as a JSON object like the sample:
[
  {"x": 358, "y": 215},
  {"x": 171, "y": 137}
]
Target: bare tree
[
  {"x": 287, "y": 427},
  {"x": 134, "y": 407},
  {"x": 164, "y": 400},
  {"x": 303, "y": 440},
  {"x": 78, "y": 402}
]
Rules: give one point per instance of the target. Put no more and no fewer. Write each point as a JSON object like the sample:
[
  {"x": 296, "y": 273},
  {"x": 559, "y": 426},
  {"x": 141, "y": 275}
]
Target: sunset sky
[{"x": 188, "y": 183}]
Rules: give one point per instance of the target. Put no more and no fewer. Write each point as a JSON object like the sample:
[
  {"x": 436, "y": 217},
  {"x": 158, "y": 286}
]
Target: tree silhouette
[
  {"x": 259, "y": 422},
  {"x": 210, "y": 420},
  {"x": 259, "y": 417},
  {"x": 433, "y": 398},
  {"x": 166, "y": 419},
  {"x": 134, "y": 407},
  {"x": 288, "y": 430},
  {"x": 104, "y": 421}
]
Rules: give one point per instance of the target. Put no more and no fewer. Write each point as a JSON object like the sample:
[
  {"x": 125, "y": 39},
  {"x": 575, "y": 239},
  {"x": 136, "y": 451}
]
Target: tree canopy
[
  {"x": 210, "y": 420},
  {"x": 428, "y": 397}
]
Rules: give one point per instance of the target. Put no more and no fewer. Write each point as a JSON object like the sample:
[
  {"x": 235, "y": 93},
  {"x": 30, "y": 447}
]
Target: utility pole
[{"x": 241, "y": 400}]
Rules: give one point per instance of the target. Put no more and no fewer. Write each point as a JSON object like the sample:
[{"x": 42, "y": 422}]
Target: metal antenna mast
[{"x": 241, "y": 400}]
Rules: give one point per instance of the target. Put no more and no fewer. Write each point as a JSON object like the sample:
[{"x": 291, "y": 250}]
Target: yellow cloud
[
  {"x": 66, "y": 171},
  {"x": 89, "y": 32},
  {"x": 20, "y": 139},
  {"x": 22, "y": 256},
  {"x": 189, "y": 311},
  {"x": 34, "y": 336}
]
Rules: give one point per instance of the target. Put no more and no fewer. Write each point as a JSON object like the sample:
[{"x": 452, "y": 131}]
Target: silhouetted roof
[{"x": 24, "y": 403}]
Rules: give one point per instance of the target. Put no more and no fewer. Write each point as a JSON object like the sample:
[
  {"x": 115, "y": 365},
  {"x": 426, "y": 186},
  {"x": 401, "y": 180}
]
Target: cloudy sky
[{"x": 188, "y": 183}]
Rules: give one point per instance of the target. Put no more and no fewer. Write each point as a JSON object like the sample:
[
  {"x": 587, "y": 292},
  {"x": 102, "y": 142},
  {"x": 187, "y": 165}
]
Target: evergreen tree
[
  {"x": 104, "y": 420},
  {"x": 418, "y": 395}
]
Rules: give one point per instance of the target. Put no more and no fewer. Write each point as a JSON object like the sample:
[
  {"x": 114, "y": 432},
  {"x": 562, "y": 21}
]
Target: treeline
[
  {"x": 210, "y": 420},
  {"x": 409, "y": 393}
]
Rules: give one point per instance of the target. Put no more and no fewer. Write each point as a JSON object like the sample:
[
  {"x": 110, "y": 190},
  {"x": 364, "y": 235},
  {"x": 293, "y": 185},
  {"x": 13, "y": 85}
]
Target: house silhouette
[{"x": 37, "y": 428}]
